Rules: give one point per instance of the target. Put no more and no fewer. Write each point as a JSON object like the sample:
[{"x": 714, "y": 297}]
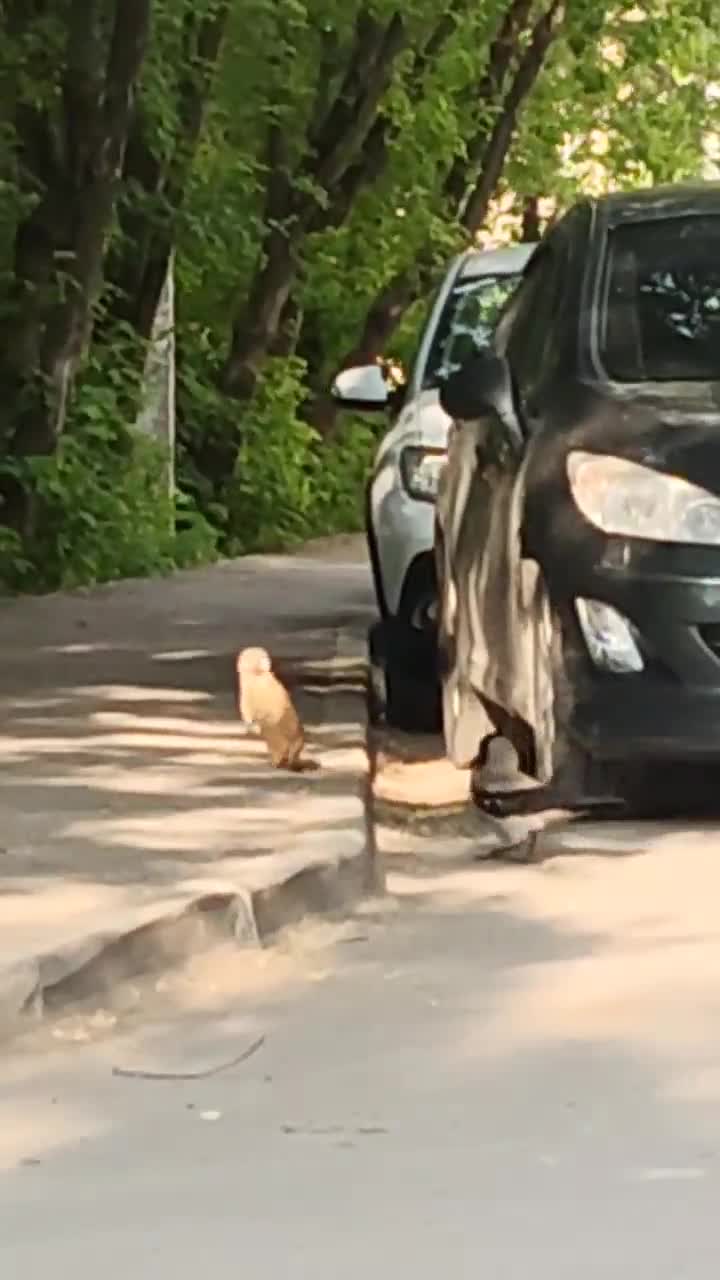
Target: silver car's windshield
[{"x": 467, "y": 323}]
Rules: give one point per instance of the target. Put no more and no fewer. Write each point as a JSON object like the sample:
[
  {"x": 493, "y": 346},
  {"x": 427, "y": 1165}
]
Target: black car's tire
[
  {"x": 641, "y": 789},
  {"x": 522, "y": 786},
  {"x": 404, "y": 683},
  {"x": 573, "y": 768},
  {"x": 632, "y": 788},
  {"x": 576, "y": 774}
]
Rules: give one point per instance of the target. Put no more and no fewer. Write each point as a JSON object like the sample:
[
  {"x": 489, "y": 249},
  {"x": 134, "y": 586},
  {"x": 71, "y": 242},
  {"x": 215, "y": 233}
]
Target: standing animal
[{"x": 264, "y": 702}]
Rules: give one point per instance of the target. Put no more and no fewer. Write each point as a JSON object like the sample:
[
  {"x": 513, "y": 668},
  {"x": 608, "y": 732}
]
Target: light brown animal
[{"x": 264, "y": 702}]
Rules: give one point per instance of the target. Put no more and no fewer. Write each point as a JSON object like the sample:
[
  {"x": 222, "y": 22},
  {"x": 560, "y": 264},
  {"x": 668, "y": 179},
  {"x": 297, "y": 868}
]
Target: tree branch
[
  {"x": 128, "y": 45},
  {"x": 202, "y": 56},
  {"x": 82, "y": 84},
  {"x": 256, "y": 326},
  {"x": 352, "y": 116},
  {"x": 488, "y": 150},
  {"x": 372, "y": 158},
  {"x": 528, "y": 70},
  {"x": 531, "y": 221},
  {"x": 140, "y": 264},
  {"x": 429, "y": 53},
  {"x": 500, "y": 57},
  {"x": 19, "y": 15},
  {"x": 329, "y": 47},
  {"x": 367, "y": 170},
  {"x": 67, "y": 230},
  {"x": 361, "y": 55}
]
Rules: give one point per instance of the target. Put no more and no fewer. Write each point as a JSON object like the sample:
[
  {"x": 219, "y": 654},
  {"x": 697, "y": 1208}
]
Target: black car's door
[{"x": 497, "y": 588}]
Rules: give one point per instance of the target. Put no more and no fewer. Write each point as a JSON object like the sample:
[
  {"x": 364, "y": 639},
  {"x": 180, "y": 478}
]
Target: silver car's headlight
[
  {"x": 633, "y": 501},
  {"x": 420, "y": 469}
]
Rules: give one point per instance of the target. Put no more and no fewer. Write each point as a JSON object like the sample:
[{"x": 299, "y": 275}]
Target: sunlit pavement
[{"x": 502, "y": 1070}]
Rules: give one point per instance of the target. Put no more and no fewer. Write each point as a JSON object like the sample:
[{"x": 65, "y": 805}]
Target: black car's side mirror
[{"x": 481, "y": 386}]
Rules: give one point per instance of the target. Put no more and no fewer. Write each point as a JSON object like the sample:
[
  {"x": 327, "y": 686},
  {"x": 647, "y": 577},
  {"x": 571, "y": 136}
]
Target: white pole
[{"x": 157, "y": 414}]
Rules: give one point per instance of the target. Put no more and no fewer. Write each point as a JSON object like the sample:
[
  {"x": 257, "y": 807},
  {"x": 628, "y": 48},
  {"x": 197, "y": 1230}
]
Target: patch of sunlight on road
[{"x": 621, "y": 948}]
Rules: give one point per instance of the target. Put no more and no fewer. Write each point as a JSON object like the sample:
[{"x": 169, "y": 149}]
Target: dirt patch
[
  {"x": 422, "y": 802},
  {"x": 411, "y": 772}
]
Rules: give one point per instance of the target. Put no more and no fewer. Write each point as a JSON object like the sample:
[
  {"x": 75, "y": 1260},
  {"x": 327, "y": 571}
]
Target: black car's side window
[
  {"x": 531, "y": 342},
  {"x": 507, "y": 318}
]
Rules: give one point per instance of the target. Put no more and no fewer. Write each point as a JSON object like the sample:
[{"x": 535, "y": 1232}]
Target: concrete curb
[{"x": 214, "y": 911}]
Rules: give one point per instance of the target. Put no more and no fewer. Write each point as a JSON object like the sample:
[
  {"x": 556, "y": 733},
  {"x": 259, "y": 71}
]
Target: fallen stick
[{"x": 132, "y": 1073}]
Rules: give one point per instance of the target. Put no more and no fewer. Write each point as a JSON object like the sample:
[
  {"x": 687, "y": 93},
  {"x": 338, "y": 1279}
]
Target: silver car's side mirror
[{"x": 363, "y": 387}]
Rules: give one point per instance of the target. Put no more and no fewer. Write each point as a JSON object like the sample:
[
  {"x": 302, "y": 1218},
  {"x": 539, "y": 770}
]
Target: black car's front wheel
[
  {"x": 549, "y": 761},
  {"x": 568, "y": 776},
  {"x": 636, "y": 788}
]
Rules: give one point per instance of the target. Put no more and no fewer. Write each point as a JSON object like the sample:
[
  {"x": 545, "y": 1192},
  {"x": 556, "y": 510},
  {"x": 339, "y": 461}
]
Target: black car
[{"x": 578, "y": 518}]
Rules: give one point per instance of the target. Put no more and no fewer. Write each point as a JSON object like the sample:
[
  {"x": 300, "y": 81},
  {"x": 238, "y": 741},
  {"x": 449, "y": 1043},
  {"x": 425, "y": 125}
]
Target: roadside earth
[
  {"x": 138, "y": 821},
  {"x": 422, "y": 805}
]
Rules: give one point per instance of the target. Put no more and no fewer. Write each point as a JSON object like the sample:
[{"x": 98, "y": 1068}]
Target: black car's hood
[{"x": 669, "y": 426}]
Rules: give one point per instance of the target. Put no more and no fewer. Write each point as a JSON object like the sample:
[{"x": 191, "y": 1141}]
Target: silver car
[{"x": 400, "y": 512}]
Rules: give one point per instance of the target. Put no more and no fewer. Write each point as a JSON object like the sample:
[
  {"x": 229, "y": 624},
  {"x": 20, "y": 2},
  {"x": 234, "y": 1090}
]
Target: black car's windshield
[
  {"x": 661, "y": 316},
  {"x": 466, "y": 323}
]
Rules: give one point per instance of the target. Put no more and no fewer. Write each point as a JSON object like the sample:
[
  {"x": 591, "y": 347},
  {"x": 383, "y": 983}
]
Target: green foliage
[
  {"x": 99, "y": 507},
  {"x": 279, "y": 482},
  {"x": 261, "y": 476},
  {"x": 625, "y": 97},
  {"x": 93, "y": 517},
  {"x": 633, "y": 106},
  {"x": 99, "y": 511},
  {"x": 270, "y": 495}
]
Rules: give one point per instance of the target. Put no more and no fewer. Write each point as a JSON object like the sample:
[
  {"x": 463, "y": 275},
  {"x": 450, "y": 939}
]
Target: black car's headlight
[
  {"x": 420, "y": 469},
  {"x": 632, "y": 501}
]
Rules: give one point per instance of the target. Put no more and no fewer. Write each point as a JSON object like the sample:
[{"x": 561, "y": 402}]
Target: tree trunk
[
  {"x": 258, "y": 327},
  {"x": 513, "y": 67},
  {"x": 502, "y": 53},
  {"x": 381, "y": 322},
  {"x": 531, "y": 224},
  {"x": 134, "y": 287},
  {"x": 139, "y": 266},
  {"x": 345, "y": 149},
  {"x": 523, "y": 81},
  {"x": 288, "y": 332},
  {"x": 60, "y": 246},
  {"x": 385, "y": 315}
]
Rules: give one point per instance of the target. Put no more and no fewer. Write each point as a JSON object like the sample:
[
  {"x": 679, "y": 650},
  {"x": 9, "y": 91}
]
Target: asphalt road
[
  {"x": 502, "y": 1071},
  {"x": 127, "y": 784}
]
